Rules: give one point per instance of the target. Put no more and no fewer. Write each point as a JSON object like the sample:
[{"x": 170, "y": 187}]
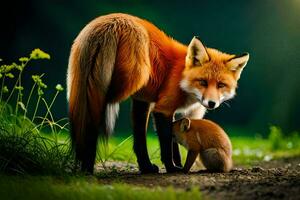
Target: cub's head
[
  {"x": 179, "y": 130},
  {"x": 211, "y": 76}
]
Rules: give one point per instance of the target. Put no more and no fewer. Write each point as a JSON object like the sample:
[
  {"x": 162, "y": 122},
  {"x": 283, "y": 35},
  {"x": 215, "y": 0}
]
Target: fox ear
[
  {"x": 237, "y": 63},
  {"x": 196, "y": 53},
  {"x": 185, "y": 125}
]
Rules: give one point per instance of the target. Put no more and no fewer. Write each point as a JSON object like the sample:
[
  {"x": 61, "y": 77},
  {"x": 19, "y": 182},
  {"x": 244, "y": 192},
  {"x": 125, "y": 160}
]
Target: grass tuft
[{"x": 31, "y": 153}]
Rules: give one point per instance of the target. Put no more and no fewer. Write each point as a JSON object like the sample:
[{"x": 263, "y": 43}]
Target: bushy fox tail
[{"x": 90, "y": 70}]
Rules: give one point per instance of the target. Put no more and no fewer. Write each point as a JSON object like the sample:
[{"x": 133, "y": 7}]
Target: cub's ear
[
  {"x": 185, "y": 125},
  {"x": 237, "y": 64},
  {"x": 196, "y": 53}
]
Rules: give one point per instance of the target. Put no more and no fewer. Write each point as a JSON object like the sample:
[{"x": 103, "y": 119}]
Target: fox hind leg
[{"x": 89, "y": 151}]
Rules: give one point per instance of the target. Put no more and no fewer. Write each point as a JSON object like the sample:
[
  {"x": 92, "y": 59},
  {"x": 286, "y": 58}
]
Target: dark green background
[{"x": 269, "y": 89}]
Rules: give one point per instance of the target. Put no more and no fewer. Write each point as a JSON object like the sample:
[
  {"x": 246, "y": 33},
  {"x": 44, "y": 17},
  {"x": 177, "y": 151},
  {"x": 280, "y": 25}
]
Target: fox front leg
[
  {"x": 190, "y": 159},
  {"x": 163, "y": 126},
  {"x": 176, "y": 155}
]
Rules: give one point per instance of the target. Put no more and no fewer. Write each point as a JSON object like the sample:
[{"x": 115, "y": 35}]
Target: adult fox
[{"x": 117, "y": 56}]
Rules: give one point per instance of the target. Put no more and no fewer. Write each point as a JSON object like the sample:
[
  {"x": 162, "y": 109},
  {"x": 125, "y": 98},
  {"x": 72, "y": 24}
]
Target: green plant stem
[
  {"x": 36, "y": 107},
  {"x": 23, "y": 66},
  {"x": 19, "y": 77},
  {"x": 2, "y": 85},
  {"x": 19, "y": 93},
  {"x": 51, "y": 120},
  {"x": 10, "y": 95},
  {"x": 29, "y": 97},
  {"x": 28, "y": 100},
  {"x": 48, "y": 108}
]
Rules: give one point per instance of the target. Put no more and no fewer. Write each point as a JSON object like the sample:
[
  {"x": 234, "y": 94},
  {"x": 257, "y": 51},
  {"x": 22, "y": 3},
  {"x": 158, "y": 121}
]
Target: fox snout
[
  {"x": 210, "y": 103},
  {"x": 212, "y": 99}
]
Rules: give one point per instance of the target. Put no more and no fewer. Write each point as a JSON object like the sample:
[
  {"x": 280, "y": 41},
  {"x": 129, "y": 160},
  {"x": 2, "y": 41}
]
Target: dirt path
[{"x": 278, "y": 179}]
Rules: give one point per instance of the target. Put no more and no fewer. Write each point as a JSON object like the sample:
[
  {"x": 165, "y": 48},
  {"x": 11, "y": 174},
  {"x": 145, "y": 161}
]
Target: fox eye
[
  {"x": 203, "y": 82},
  {"x": 221, "y": 85}
]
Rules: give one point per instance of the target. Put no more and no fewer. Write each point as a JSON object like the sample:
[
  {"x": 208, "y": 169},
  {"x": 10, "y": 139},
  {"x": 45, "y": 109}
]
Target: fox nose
[{"x": 211, "y": 104}]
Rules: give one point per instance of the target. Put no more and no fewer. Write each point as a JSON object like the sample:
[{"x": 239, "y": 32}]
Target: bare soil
[{"x": 278, "y": 179}]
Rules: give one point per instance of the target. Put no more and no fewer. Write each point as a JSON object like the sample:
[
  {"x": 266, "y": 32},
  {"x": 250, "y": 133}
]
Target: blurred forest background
[{"x": 269, "y": 89}]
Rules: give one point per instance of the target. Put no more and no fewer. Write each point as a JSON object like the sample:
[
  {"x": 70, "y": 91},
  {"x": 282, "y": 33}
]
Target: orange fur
[{"x": 202, "y": 136}]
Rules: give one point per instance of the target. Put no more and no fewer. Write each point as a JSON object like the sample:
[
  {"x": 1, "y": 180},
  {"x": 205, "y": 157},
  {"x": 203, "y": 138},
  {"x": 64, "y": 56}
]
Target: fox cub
[{"x": 206, "y": 138}]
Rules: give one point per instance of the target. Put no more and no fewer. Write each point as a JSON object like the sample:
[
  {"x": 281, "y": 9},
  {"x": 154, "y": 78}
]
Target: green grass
[
  {"x": 33, "y": 155},
  {"x": 121, "y": 148},
  {"x": 68, "y": 188},
  {"x": 249, "y": 151}
]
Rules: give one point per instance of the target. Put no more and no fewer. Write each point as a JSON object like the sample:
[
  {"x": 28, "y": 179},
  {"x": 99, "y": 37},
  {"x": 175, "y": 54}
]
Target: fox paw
[
  {"x": 173, "y": 169},
  {"x": 149, "y": 169},
  {"x": 185, "y": 171}
]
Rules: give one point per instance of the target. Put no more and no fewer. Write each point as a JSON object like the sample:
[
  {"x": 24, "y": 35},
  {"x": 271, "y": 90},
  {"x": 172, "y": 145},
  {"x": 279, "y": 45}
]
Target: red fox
[
  {"x": 118, "y": 56},
  {"x": 206, "y": 139}
]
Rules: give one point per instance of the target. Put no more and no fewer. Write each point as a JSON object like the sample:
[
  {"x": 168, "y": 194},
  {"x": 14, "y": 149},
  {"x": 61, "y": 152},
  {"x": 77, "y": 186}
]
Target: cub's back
[{"x": 210, "y": 134}]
